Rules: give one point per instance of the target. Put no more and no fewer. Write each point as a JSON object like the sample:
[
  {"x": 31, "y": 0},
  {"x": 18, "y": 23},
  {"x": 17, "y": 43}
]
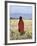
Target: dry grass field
[{"x": 15, "y": 35}]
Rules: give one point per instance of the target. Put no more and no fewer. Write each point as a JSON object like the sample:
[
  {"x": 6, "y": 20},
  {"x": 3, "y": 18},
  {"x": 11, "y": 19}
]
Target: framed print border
[{"x": 6, "y": 22}]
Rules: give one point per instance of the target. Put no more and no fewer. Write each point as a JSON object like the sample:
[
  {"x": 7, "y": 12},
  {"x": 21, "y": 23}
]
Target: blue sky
[{"x": 24, "y": 11}]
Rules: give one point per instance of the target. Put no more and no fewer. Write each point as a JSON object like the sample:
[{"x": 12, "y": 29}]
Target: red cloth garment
[{"x": 21, "y": 26}]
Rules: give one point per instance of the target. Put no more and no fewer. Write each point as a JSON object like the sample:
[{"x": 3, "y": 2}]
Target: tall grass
[{"x": 15, "y": 34}]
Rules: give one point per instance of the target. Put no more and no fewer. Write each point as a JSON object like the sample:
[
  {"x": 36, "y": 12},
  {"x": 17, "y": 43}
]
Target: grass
[{"x": 15, "y": 35}]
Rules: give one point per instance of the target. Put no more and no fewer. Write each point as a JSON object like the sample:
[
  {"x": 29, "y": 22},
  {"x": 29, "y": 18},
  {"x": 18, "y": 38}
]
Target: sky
[{"x": 24, "y": 11}]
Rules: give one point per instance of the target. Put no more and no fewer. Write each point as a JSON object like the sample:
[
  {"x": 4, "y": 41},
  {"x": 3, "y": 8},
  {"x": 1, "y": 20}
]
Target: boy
[{"x": 21, "y": 25}]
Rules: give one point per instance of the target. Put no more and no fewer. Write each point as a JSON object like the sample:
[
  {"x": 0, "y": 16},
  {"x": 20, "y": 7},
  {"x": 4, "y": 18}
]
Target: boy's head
[{"x": 20, "y": 18}]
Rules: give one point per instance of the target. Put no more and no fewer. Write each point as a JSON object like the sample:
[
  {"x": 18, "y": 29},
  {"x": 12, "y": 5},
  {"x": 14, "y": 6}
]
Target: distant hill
[
  {"x": 13, "y": 18},
  {"x": 18, "y": 18}
]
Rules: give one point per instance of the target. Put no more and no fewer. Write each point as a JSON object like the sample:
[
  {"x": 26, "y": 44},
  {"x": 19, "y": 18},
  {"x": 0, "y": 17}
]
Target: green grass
[{"x": 15, "y": 35}]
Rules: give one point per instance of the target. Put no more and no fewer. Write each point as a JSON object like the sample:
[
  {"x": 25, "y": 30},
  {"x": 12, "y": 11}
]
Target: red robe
[{"x": 21, "y": 26}]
